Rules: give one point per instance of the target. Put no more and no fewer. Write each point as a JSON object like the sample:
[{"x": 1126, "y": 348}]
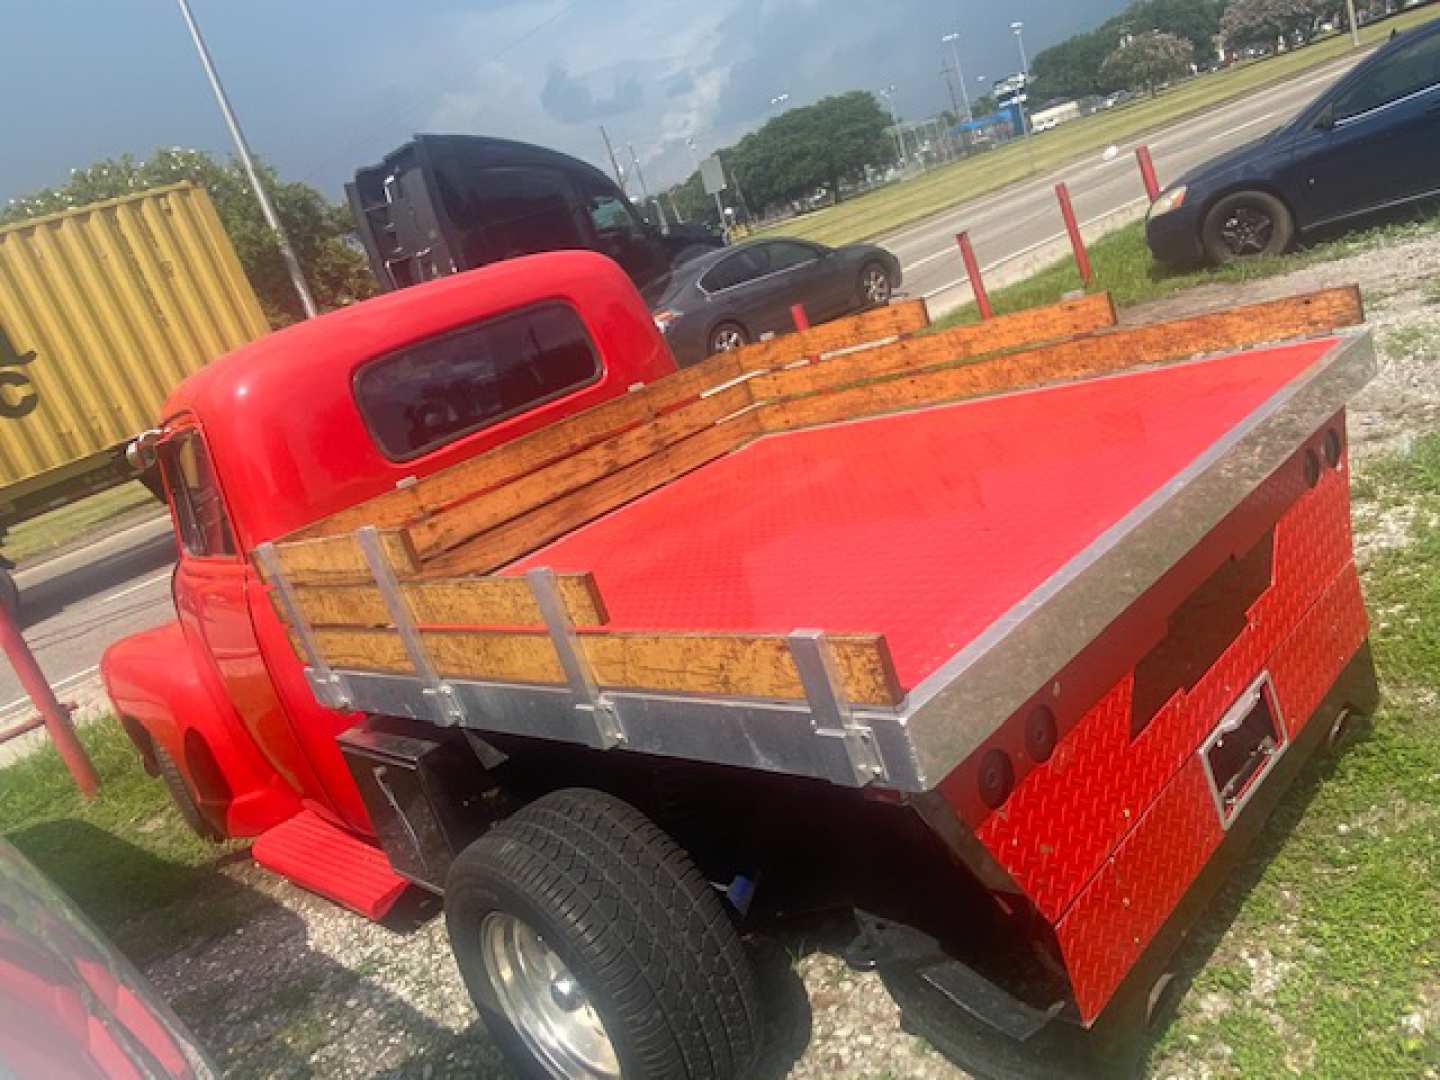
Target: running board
[{"x": 331, "y": 862}]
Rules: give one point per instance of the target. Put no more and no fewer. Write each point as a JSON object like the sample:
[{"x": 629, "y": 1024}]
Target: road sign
[{"x": 712, "y": 175}]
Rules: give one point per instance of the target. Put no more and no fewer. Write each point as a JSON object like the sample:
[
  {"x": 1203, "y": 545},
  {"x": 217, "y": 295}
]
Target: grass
[
  {"x": 125, "y": 857},
  {"x": 51, "y": 531},
  {"x": 1123, "y": 266},
  {"x": 878, "y": 212}
]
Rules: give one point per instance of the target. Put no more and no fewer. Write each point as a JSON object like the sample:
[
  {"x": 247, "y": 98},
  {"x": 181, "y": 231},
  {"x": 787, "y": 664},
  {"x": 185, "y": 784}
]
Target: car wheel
[
  {"x": 875, "y": 288},
  {"x": 727, "y": 337},
  {"x": 184, "y": 801},
  {"x": 593, "y": 947},
  {"x": 1247, "y": 225}
]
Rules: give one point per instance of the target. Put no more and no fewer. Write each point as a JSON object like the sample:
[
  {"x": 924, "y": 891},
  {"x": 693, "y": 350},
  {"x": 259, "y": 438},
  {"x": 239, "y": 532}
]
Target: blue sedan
[{"x": 1368, "y": 144}]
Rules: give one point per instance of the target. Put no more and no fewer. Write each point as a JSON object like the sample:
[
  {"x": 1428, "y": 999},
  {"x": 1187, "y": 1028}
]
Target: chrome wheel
[
  {"x": 1247, "y": 231},
  {"x": 876, "y": 286},
  {"x": 544, "y": 1002},
  {"x": 727, "y": 338}
]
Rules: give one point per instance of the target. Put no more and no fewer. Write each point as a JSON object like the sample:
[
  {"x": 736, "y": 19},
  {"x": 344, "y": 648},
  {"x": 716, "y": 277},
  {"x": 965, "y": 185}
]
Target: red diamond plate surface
[
  {"x": 926, "y": 526},
  {"x": 1109, "y": 925},
  {"x": 1066, "y": 817}
]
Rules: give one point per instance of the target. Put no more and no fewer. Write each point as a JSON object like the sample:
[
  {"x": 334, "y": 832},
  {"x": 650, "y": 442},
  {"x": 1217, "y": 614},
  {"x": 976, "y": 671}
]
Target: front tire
[
  {"x": 593, "y": 947},
  {"x": 1247, "y": 225},
  {"x": 184, "y": 801},
  {"x": 727, "y": 337}
]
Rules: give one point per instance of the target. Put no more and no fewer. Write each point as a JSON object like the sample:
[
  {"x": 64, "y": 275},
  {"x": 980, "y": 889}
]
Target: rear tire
[
  {"x": 1247, "y": 225},
  {"x": 592, "y": 946},
  {"x": 875, "y": 288},
  {"x": 184, "y": 801}
]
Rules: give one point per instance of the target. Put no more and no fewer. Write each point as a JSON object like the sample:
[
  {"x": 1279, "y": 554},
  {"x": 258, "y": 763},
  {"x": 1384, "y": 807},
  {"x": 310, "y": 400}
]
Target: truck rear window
[{"x": 431, "y": 393}]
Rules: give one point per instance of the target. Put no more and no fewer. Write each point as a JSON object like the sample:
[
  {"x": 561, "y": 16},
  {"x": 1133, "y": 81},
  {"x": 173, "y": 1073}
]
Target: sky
[{"x": 323, "y": 86}]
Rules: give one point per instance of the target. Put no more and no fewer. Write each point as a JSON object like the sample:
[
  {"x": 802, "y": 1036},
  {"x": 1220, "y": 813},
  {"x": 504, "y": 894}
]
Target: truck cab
[
  {"x": 371, "y": 398},
  {"x": 442, "y": 204}
]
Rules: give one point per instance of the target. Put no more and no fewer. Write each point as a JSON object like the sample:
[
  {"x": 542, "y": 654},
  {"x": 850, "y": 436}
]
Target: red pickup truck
[{"x": 1004, "y": 638}]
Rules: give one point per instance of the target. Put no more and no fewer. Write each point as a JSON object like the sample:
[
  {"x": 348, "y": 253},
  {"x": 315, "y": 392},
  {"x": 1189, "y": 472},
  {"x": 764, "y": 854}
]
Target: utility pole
[
  {"x": 1354, "y": 24},
  {"x": 614, "y": 164},
  {"x": 242, "y": 148},
  {"x": 645, "y": 191}
]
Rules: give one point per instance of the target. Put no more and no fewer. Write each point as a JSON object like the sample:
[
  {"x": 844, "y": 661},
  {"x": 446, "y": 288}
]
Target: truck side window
[
  {"x": 431, "y": 393},
  {"x": 199, "y": 508}
]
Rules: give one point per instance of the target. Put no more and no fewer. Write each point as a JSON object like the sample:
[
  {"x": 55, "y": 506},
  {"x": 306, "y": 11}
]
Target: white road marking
[
  {"x": 57, "y": 687},
  {"x": 1240, "y": 127},
  {"x": 136, "y": 587}
]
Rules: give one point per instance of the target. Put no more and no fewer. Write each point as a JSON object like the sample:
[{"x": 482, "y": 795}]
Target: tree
[
  {"x": 1146, "y": 61},
  {"x": 1073, "y": 68},
  {"x": 1249, "y": 23},
  {"x": 814, "y": 146},
  {"x": 319, "y": 231}
]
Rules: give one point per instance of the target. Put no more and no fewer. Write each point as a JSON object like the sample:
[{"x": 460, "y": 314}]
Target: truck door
[
  {"x": 620, "y": 233},
  {"x": 211, "y": 580}
]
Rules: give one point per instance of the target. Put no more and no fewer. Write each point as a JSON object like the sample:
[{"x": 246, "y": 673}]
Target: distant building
[{"x": 1054, "y": 116}]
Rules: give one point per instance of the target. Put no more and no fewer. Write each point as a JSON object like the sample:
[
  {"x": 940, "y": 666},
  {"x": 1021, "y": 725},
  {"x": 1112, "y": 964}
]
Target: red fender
[{"x": 160, "y": 694}]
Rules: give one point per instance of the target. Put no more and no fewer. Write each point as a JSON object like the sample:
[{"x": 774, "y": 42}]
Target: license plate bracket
[{"x": 1243, "y": 748}]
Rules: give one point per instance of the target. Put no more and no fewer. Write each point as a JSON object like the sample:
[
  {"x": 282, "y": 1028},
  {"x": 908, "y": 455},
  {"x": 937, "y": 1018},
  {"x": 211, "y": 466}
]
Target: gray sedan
[{"x": 728, "y": 298}]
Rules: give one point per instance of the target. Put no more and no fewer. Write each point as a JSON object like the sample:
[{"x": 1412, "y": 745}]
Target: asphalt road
[
  {"x": 79, "y": 603},
  {"x": 1009, "y": 224},
  {"x": 75, "y": 605}
]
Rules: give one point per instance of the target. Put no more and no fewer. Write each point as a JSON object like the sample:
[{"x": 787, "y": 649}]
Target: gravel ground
[{"x": 306, "y": 989}]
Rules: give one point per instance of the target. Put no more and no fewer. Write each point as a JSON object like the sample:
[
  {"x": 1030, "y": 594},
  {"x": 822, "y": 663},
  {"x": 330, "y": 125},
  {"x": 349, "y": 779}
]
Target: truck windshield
[{"x": 430, "y": 394}]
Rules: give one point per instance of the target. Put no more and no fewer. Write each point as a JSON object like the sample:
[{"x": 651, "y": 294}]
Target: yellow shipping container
[{"x": 103, "y": 310}]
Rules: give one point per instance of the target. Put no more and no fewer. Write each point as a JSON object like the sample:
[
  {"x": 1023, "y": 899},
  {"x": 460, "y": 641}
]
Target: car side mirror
[{"x": 1326, "y": 120}]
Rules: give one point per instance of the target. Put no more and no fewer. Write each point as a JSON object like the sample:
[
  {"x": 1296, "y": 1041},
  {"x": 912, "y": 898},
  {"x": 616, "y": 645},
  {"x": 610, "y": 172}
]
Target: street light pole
[
  {"x": 242, "y": 148},
  {"x": 953, "y": 41},
  {"x": 889, "y": 93},
  {"x": 1019, "y": 30},
  {"x": 645, "y": 191}
]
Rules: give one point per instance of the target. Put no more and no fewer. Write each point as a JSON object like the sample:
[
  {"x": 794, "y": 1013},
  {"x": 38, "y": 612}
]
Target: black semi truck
[{"x": 441, "y": 204}]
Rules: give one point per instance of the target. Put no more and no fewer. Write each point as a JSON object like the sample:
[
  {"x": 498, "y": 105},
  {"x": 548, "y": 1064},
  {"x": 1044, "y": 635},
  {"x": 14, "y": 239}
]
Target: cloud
[{"x": 571, "y": 102}]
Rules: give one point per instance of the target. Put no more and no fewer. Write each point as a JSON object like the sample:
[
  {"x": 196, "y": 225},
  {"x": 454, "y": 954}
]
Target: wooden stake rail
[{"x": 444, "y": 534}]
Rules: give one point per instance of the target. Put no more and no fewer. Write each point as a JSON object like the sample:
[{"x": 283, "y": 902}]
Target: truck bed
[{"x": 926, "y": 526}]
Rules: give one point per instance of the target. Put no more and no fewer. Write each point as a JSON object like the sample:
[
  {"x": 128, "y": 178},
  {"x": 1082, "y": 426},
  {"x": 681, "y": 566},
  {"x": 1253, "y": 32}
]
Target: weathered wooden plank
[
  {"x": 1031, "y": 327},
  {"x": 338, "y": 559},
  {"x": 476, "y": 601},
  {"x": 507, "y": 542},
  {"x": 893, "y": 320},
  {"x": 738, "y": 665},
  {"x": 1117, "y": 350},
  {"x": 469, "y": 518},
  {"x": 513, "y": 459}
]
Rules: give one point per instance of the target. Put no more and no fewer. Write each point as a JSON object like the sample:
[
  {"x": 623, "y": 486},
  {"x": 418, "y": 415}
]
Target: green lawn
[
  {"x": 54, "y": 530},
  {"x": 1123, "y": 265},
  {"x": 878, "y": 212},
  {"x": 125, "y": 857}
]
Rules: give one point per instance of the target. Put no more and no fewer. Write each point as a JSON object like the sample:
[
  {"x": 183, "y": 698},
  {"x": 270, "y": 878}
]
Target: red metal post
[
  {"x": 1147, "y": 171},
  {"x": 977, "y": 283},
  {"x": 55, "y": 716},
  {"x": 1072, "y": 226},
  {"x": 802, "y": 321}
]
